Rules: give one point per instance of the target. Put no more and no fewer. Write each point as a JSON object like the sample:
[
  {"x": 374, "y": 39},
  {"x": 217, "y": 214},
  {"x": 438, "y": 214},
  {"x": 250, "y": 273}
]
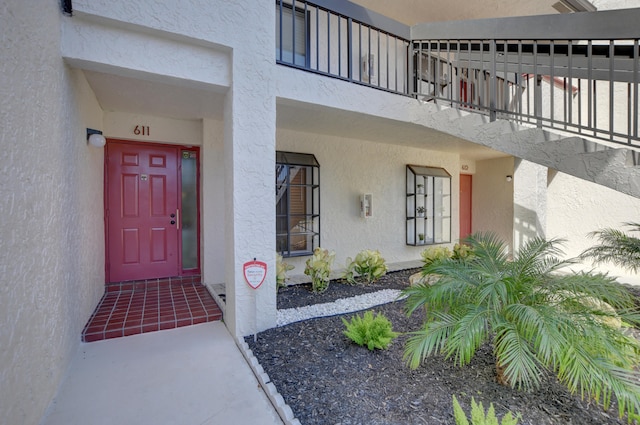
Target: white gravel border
[{"x": 341, "y": 306}]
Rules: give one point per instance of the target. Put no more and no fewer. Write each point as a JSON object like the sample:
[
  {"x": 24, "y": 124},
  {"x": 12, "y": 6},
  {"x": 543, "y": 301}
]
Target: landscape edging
[{"x": 283, "y": 409}]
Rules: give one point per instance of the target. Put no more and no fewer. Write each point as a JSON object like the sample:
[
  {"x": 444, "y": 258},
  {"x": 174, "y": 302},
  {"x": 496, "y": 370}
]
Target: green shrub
[
  {"x": 478, "y": 415},
  {"x": 374, "y": 332},
  {"x": 434, "y": 253},
  {"x": 319, "y": 268},
  {"x": 535, "y": 317},
  {"x": 461, "y": 251},
  {"x": 281, "y": 271},
  {"x": 367, "y": 267}
]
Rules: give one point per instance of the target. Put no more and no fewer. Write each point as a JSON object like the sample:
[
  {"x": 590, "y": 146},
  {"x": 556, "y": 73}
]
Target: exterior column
[
  {"x": 249, "y": 156},
  {"x": 529, "y": 202},
  {"x": 212, "y": 220}
]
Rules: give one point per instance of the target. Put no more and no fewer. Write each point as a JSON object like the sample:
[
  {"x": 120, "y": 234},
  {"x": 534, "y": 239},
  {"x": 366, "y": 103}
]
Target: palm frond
[
  {"x": 540, "y": 325},
  {"x": 599, "y": 378},
  {"x": 594, "y": 285},
  {"x": 626, "y": 389},
  {"x": 515, "y": 354},
  {"x": 489, "y": 252},
  {"x": 455, "y": 281},
  {"x": 540, "y": 318},
  {"x": 429, "y": 340},
  {"x": 417, "y": 296},
  {"x": 538, "y": 257},
  {"x": 439, "y": 295},
  {"x": 470, "y": 332},
  {"x": 616, "y": 247},
  {"x": 494, "y": 293}
]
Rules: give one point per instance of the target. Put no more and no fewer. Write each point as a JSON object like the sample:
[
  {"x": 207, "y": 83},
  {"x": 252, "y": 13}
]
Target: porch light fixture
[
  {"x": 95, "y": 138},
  {"x": 509, "y": 178}
]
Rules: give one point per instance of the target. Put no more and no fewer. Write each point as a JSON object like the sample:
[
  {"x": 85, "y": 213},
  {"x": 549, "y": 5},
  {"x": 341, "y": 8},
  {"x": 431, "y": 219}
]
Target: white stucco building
[{"x": 201, "y": 79}]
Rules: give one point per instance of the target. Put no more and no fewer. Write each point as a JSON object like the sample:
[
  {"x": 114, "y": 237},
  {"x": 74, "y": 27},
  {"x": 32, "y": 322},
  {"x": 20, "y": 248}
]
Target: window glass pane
[
  {"x": 297, "y": 204},
  {"x": 189, "y": 217},
  {"x": 431, "y": 190},
  {"x": 282, "y": 196},
  {"x": 293, "y": 31},
  {"x": 282, "y": 246},
  {"x": 282, "y": 228}
]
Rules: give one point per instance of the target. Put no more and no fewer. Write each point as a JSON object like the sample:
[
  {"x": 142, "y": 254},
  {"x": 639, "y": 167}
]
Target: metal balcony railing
[
  {"x": 577, "y": 73},
  {"x": 343, "y": 40}
]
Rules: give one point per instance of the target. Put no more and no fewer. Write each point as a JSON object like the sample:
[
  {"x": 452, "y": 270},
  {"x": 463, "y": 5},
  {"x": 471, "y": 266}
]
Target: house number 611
[{"x": 141, "y": 130}]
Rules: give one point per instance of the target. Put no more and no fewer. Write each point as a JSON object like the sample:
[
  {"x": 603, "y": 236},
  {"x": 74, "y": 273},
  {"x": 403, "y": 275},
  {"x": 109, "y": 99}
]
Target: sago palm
[
  {"x": 616, "y": 247},
  {"x": 535, "y": 317}
]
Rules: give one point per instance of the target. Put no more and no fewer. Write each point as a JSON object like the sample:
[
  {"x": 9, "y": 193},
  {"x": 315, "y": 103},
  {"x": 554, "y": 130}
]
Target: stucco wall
[
  {"x": 249, "y": 145},
  {"x": 615, "y": 4},
  {"x": 351, "y": 167},
  {"x": 213, "y": 209},
  {"x": 577, "y": 207},
  {"x": 217, "y": 45},
  {"x": 121, "y": 125},
  {"x": 493, "y": 198},
  {"x": 529, "y": 202},
  {"x": 52, "y": 261}
]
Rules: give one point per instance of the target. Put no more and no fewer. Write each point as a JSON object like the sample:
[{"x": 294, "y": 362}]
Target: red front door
[
  {"x": 465, "y": 205},
  {"x": 142, "y": 211}
]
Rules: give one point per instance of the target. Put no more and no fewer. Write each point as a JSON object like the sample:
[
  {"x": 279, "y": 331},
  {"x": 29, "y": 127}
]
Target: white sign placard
[{"x": 255, "y": 273}]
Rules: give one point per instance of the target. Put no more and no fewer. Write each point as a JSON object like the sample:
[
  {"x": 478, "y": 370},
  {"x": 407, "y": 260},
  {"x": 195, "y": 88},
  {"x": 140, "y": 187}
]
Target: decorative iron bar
[
  {"x": 587, "y": 87},
  {"x": 319, "y": 38}
]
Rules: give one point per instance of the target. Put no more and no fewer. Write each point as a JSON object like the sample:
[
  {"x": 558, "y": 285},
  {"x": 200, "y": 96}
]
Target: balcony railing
[
  {"x": 343, "y": 40},
  {"x": 576, "y": 73}
]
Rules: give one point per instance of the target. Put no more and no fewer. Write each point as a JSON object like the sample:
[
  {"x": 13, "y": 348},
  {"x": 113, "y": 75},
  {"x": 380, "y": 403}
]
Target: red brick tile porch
[{"x": 131, "y": 308}]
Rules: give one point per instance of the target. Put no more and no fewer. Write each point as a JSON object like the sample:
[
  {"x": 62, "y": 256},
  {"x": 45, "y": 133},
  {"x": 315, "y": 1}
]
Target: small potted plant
[
  {"x": 420, "y": 210},
  {"x": 421, "y": 238},
  {"x": 420, "y": 188}
]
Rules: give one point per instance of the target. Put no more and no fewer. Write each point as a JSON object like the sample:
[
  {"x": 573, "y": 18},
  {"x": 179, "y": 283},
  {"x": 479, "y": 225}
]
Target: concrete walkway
[{"x": 193, "y": 375}]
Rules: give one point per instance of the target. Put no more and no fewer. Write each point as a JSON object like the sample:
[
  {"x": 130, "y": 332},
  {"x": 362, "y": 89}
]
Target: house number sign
[
  {"x": 141, "y": 130},
  {"x": 255, "y": 272}
]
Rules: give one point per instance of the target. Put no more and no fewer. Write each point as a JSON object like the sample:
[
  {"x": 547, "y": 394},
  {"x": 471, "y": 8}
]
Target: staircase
[
  {"x": 559, "y": 90},
  {"x": 562, "y": 91},
  {"x": 613, "y": 167}
]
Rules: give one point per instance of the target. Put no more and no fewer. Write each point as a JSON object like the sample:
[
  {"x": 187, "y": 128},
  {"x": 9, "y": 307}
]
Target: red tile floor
[{"x": 131, "y": 308}]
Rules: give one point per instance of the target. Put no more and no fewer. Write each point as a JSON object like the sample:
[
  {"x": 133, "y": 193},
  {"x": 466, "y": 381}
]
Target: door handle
[{"x": 177, "y": 218}]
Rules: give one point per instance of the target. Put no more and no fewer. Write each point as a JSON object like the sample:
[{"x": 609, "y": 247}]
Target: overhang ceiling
[
  {"x": 163, "y": 99},
  {"x": 412, "y": 12},
  {"x": 317, "y": 119},
  {"x": 135, "y": 96}
]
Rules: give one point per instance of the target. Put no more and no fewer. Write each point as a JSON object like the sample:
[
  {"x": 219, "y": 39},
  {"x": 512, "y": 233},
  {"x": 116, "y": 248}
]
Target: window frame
[
  {"x": 435, "y": 204},
  {"x": 285, "y": 162},
  {"x": 304, "y": 16}
]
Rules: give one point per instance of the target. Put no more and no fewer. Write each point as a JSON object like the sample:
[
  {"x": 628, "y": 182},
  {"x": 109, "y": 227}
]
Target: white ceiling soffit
[
  {"x": 137, "y": 96},
  {"x": 412, "y": 12},
  {"x": 308, "y": 118}
]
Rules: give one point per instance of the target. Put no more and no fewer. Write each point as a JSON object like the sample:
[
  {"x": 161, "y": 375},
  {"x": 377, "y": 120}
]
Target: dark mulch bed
[
  {"x": 326, "y": 379},
  {"x": 301, "y": 295}
]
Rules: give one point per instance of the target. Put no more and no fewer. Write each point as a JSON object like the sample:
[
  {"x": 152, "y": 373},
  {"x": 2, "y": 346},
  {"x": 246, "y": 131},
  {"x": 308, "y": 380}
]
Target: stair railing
[{"x": 576, "y": 73}]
